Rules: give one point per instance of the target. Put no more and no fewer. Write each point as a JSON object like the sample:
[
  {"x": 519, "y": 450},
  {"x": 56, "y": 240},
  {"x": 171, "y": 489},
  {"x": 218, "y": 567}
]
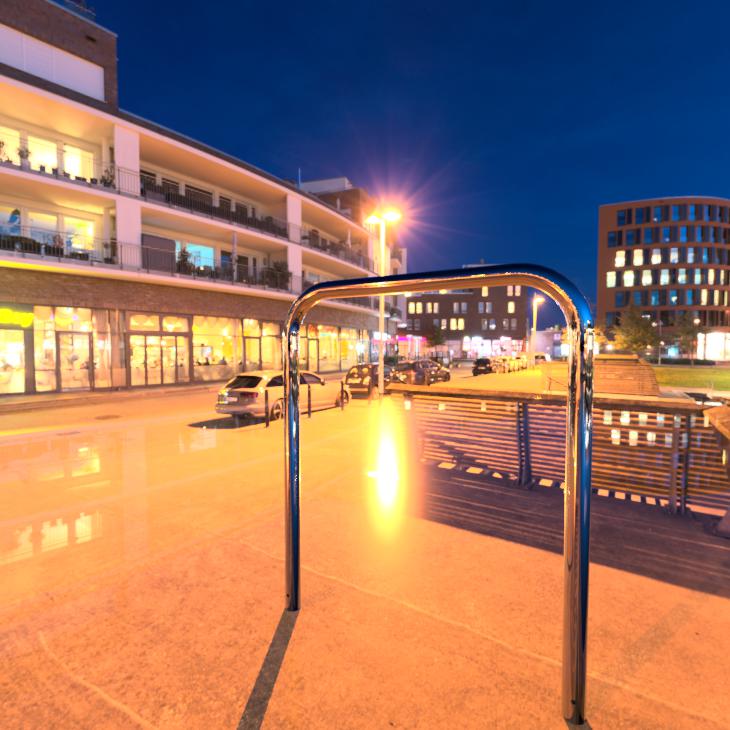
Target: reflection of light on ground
[{"x": 387, "y": 452}]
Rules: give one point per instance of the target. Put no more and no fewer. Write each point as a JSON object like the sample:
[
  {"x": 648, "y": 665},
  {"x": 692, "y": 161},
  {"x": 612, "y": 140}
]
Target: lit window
[
  {"x": 518, "y": 290},
  {"x": 463, "y": 307},
  {"x": 716, "y": 297},
  {"x": 485, "y": 324},
  {"x": 78, "y": 162},
  {"x": 461, "y": 323},
  {"x": 488, "y": 307},
  {"x": 690, "y": 255},
  {"x": 646, "y": 277},
  {"x": 11, "y": 142},
  {"x": 485, "y": 291},
  {"x": 703, "y": 296},
  {"x": 492, "y": 324},
  {"x": 681, "y": 276},
  {"x": 429, "y": 308},
  {"x": 79, "y": 233},
  {"x": 698, "y": 276},
  {"x": 610, "y": 279},
  {"x": 607, "y": 418},
  {"x": 628, "y": 278},
  {"x": 664, "y": 277},
  {"x": 711, "y": 276},
  {"x": 443, "y": 324},
  {"x": 638, "y": 257},
  {"x": 510, "y": 291},
  {"x": 619, "y": 259},
  {"x": 411, "y": 307},
  {"x": 435, "y": 307},
  {"x": 656, "y": 256},
  {"x": 452, "y": 323},
  {"x": 505, "y": 324},
  {"x": 673, "y": 255},
  {"x": 42, "y": 152},
  {"x": 419, "y": 307},
  {"x": 510, "y": 307}
]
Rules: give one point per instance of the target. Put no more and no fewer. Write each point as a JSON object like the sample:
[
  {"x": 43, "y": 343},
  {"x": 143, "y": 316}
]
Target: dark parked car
[
  {"x": 482, "y": 366},
  {"x": 420, "y": 372},
  {"x": 363, "y": 379}
]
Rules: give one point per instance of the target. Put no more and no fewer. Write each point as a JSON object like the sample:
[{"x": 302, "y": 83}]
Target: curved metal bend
[{"x": 579, "y": 428}]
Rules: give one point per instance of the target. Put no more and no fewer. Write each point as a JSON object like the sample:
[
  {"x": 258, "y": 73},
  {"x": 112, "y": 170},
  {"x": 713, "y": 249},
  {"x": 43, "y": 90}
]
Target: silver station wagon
[{"x": 245, "y": 394}]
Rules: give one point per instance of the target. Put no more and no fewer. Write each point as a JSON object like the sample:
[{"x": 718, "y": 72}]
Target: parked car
[
  {"x": 420, "y": 372},
  {"x": 706, "y": 399},
  {"x": 245, "y": 394},
  {"x": 363, "y": 379},
  {"x": 482, "y": 366}
]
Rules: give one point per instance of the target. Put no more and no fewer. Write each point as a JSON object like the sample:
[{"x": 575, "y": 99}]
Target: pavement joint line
[{"x": 599, "y": 676}]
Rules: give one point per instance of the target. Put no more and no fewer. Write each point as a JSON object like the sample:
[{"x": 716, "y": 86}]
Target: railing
[
  {"x": 341, "y": 248},
  {"x": 26, "y": 242},
  {"x": 396, "y": 253},
  {"x": 664, "y": 453},
  {"x": 95, "y": 174}
]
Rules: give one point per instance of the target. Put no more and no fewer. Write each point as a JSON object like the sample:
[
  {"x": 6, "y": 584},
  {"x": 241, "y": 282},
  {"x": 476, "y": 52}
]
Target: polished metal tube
[{"x": 578, "y": 434}]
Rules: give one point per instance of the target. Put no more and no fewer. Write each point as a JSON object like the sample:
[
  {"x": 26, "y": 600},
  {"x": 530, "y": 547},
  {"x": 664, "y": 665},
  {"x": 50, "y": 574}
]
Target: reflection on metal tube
[{"x": 578, "y": 434}]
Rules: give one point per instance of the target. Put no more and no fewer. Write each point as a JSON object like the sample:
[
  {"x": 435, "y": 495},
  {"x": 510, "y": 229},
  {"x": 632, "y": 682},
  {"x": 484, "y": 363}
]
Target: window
[
  {"x": 692, "y": 212},
  {"x": 675, "y": 213},
  {"x": 639, "y": 298},
  {"x": 614, "y": 239},
  {"x": 456, "y": 308},
  {"x": 11, "y": 142},
  {"x": 628, "y": 278},
  {"x": 198, "y": 255},
  {"x": 698, "y": 276},
  {"x": 690, "y": 255},
  {"x": 492, "y": 324},
  {"x": 657, "y": 214},
  {"x": 518, "y": 290},
  {"x": 689, "y": 297},
  {"x": 666, "y": 234},
  {"x": 638, "y": 257},
  {"x": 417, "y": 324},
  {"x": 463, "y": 307},
  {"x": 664, "y": 277},
  {"x": 443, "y": 324},
  {"x": 480, "y": 307},
  {"x": 681, "y": 276},
  {"x": 510, "y": 307},
  {"x": 78, "y": 162},
  {"x": 623, "y": 217},
  {"x": 43, "y": 152},
  {"x": 43, "y": 226},
  {"x": 646, "y": 277},
  {"x": 488, "y": 307},
  {"x": 513, "y": 323},
  {"x": 673, "y": 297},
  {"x": 683, "y": 234},
  {"x": 698, "y": 234},
  {"x": 703, "y": 297},
  {"x": 632, "y": 237},
  {"x": 79, "y": 233},
  {"x": 673, "y": 255},
  {"x": 619, "y": 259},
  {"x": 452, "y": 323},
  {"x": 640, "y": 216},
  {"x": 419, "y": 307},
  {"x": 505, "y": 324},
  {"x": 510, "y": 291},
  {"x": 411, "y": 307},
  {"x": 435, "y": 307},
  {"x": 656, "y": 256},
  {"x": 610, "y": 279},
  {"x": 485, "y": 291},
  {"x": 461, "y": 323},
  {"x": 711, "y": 276},
  {"x": 429, "y": 308},
  {"x": 436, "y": 323}
]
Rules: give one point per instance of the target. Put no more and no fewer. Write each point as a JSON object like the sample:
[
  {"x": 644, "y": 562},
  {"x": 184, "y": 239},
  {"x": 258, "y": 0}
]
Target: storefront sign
[{"x": 15, "y": 318}]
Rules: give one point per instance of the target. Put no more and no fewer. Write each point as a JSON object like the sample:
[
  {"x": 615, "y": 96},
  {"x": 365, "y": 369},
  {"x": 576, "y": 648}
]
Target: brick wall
[
  {"x": 18, "y": 286},
  {"x": 61, "y": 28}
]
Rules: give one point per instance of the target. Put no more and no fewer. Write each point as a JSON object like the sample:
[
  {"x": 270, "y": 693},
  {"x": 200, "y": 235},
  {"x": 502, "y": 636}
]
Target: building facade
[
  {"x": 668, "y": 257},
  {"x": 483, "y": 322},
  {"x": 132, "y": 256}
]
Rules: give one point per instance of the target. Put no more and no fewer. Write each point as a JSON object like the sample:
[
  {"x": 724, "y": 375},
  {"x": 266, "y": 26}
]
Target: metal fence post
[
  {"x": 309, "y": 400},
  {"x": 266, "y": 406},
  {"x": 686, "y": 462},
  {"x": 524, "y": 477},
  {"x": 674, "y": 474},
  {"x": 342, "y": 395}
]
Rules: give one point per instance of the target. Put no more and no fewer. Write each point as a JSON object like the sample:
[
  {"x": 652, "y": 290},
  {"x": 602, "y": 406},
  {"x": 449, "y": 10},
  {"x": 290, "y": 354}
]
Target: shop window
[
  {"x": 411, "y": 307},
  {"x": 44, "y": 342},
  {"x": 174, "y": 324},
  {"x": 216, "y": 348},
  {"x": 10, "y": 139},
  {"x": 43, "y": 153},
  {"x": 78, "y": 162},
  {"x": 485, "y": 291},
  {"x": 12, "y": 361},
  {"x": 73, "y": 319},
  {"x": 348, "y": 346},
  {"x": 252, "y": 328},
  {"x": 144, "y": 322},
  {"x": 329, "y": 348}
]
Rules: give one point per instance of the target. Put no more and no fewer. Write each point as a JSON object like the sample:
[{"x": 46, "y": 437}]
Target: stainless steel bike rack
[{"x": 577, "y": 494}]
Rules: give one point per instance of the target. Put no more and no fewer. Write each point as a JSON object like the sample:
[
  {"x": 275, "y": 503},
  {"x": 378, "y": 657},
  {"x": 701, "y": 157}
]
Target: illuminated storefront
[{"x": 713, "y": 346}]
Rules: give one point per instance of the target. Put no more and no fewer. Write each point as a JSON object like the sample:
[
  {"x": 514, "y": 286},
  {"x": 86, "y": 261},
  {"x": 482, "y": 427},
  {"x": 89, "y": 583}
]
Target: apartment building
[
  {"x": 668, "y": 257},
  {"x": 133, "y": 256},
  {"x": 471, "y": 322}
]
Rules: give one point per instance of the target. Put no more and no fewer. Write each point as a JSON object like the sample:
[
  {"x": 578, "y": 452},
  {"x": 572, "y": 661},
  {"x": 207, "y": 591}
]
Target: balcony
[
  {"x": 348, "y": 250},
  {"x": 92, "y": 174},
  {"x": 44, "y": 245}
]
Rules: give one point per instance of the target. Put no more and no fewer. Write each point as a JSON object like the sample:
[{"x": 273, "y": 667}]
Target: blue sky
[{"x": 505, "y": 124}]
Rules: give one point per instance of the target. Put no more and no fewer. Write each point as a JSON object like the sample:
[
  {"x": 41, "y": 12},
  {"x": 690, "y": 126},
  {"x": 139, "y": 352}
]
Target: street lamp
[
  {"x": 387, "y": 215},
  {"x": 658, "y": 323},
  {"x": 537, "y": 300}
]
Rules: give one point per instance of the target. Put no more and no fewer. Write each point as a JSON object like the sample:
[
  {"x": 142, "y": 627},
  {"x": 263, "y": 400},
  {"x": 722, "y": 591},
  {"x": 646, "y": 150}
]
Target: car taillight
[{"x": 248, "y": 397}]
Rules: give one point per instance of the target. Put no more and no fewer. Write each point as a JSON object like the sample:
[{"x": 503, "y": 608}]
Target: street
[{"x": 142, "y": 572}]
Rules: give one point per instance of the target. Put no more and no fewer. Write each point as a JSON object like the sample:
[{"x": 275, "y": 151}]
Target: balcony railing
[
  {"x": 200, "y": 202},
  {"x": 95, "y": 174},
  {"x": 36, "y": 243}
]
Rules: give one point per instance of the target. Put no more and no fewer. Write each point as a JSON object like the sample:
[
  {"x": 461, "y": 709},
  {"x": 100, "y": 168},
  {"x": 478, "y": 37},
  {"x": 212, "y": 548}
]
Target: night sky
[{"x": 504, "y": 125}]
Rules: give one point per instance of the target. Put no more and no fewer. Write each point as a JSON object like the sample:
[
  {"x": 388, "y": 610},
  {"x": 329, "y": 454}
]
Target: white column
[
  {"x": 126, "y": 159},
  {"x": 294, "y": 218},
  {"x": 294, "y": 264},
  {"x": 129, "y": 232}
]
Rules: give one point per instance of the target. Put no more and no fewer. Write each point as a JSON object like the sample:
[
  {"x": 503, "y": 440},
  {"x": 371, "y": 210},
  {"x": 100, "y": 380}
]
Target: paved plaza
[{"x": 142, "y": 573}]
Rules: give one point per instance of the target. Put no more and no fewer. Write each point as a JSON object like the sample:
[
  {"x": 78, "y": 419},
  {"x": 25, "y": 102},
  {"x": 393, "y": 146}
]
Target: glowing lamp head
[
  {"x": 538, "y": 299},
  {"x": 392, "y": 215},
  {"x": 373, "y": 220}
]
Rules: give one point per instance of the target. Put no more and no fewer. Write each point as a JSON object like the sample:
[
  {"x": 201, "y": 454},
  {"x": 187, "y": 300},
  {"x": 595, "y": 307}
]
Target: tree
[
  {"x": 435, "y": 338},
  {"x": 635, "y": 333},
  {"x": 687, "y": 328}
]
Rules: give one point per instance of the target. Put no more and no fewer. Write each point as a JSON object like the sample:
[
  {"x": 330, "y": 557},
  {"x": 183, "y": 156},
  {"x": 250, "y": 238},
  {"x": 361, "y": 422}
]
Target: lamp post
[
  {"x": 388, "y": 215},
  {"x": 658, "y": 324},
  {"x": 537, "y": 300}
]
